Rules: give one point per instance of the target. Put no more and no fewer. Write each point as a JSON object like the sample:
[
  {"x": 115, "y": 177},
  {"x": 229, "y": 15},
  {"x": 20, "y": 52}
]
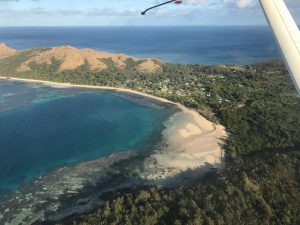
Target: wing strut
[
  {"x": 175, "y": 1},
  {"x": 286, "y": 34}
]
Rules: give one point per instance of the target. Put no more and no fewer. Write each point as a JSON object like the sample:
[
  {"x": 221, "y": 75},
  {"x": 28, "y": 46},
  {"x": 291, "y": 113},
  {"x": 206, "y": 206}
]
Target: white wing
[{"x": 287, "y": 35}]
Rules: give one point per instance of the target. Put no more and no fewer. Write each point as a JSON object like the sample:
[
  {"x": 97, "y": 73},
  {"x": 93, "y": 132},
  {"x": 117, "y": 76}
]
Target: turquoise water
[{"x": 43, "y": 128}]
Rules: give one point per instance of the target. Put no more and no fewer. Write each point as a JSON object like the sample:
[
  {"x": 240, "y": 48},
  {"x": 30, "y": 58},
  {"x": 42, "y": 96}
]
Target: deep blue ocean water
[
  {"x": 203, "y": 45},
  {"x": 42, "y": 128}
]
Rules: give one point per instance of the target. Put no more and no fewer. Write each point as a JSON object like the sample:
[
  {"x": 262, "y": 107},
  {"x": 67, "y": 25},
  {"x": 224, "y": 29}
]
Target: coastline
[
  {"x": 190, "y": 140},
  {"x": 66, "y": 85}
]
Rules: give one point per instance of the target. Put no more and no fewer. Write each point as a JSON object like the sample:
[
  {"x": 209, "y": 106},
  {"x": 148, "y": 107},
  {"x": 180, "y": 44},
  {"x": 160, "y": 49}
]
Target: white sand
[
  {"x": 191, "y": 140},
  {"x": 66, "y": 85}
]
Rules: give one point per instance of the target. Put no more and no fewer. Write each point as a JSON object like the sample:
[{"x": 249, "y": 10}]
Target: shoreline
[
  {"x": 66, "y": 85},
  {"x": 191, "y": 141}
]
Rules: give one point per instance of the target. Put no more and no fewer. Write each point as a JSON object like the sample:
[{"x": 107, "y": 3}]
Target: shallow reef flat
[{"x": 39, "y": 199}]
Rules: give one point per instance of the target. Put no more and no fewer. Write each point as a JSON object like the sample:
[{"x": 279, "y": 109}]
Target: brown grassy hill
[
  {"x": 6, "y": 51},
  {"x": 70, "y": 58}
]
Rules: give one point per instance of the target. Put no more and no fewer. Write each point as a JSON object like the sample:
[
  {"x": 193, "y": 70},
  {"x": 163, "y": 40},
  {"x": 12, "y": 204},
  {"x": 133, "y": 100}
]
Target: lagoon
[{"x": 43, "y": 128}]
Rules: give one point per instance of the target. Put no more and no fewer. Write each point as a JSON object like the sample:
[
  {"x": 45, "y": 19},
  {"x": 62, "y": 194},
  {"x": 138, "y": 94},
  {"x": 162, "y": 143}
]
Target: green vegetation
[
  {"x": 108, "y": 62},
  {"x": 9, "y": 65},
  {"x": 130, "y": 63},
  {"x": 265, "y": 190},
  {"x": 260, "y": 109}
]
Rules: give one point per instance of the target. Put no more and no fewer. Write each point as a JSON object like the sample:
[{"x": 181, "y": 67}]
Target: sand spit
[{"x": 191, "y": 142}]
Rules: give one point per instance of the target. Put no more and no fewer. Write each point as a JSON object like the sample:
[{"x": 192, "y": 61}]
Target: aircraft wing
[{"x": 287, "y": 35}]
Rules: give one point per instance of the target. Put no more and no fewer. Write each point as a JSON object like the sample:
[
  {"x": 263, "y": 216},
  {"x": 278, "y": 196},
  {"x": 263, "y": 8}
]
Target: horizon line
[{"x": 229, "y": 25}]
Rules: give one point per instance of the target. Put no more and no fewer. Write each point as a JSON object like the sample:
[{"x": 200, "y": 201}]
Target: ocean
[{"x": 192, "y": 44}]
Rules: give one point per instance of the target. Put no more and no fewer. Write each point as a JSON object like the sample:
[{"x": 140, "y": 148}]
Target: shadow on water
[
  {"x": 101, "y": 181},
  {"x": 122, "y": 175},
  {"x": 91, "y": 198}
]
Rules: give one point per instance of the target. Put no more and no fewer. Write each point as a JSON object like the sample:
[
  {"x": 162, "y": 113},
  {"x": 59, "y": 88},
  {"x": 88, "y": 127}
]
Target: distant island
[{"x": 260, "y": 181}]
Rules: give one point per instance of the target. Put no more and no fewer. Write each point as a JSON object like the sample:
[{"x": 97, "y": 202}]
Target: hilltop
[
  {"x": 6, "y": 51},
  {"x": 64, "y": 58}
]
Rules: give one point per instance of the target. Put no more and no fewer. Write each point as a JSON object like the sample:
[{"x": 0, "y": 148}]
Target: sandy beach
[
  {"x": 66, "y": 85},
  {"x": 190, "y": 140}
]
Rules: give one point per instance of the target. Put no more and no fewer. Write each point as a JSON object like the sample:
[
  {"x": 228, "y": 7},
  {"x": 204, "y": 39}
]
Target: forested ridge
[{"x": 260, "y": 110}]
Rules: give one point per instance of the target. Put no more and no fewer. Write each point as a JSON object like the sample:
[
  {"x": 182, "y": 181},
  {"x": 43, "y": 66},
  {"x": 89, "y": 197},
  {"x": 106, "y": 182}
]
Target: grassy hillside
[{"x": 67, "y": 58}]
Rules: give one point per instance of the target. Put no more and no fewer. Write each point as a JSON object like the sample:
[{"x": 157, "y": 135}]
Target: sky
[{"x": 127, "y": 13}]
